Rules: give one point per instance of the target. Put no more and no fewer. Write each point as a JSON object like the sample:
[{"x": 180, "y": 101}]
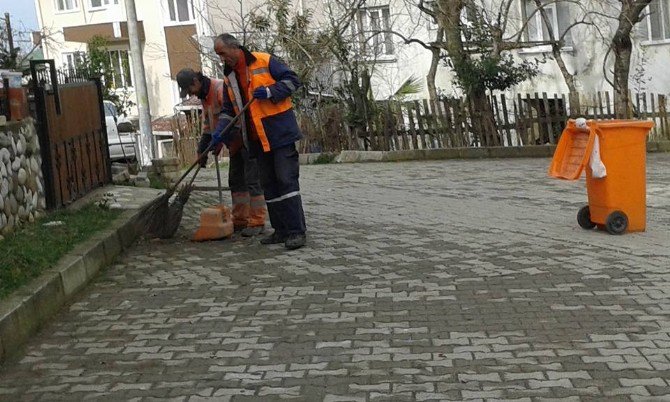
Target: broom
[
  {"x": 160, "y": 218},
  {"x": 168, "y": 227}
]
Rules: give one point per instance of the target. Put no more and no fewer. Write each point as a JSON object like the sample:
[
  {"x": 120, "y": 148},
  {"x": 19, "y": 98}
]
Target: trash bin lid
[
  {"x": 573, "y": 152},
  {"x": 624, "y": 124}
]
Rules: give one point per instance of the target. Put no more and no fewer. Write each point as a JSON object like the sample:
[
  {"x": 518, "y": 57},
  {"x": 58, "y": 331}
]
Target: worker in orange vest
[
  {"x": 249, "y": 211},
  {"x": 269, "y": 130}
]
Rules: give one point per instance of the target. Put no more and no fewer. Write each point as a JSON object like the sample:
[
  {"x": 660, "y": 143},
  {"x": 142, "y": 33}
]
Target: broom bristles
[
  {"x": 153, "y": 215},
  {"x": 174, "y": 213},
  {"x": 161, "y": 218}
]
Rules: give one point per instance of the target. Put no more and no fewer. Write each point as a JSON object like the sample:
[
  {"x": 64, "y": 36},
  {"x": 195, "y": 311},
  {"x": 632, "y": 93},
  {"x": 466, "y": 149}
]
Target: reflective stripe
[
  {"x": 289, "y": 84},
  {"x": 238, "y": 100},
  {"x": 262, "y": 70},
  {"x": 283, "y": 197},
  {"x": 225, "y": 116}
]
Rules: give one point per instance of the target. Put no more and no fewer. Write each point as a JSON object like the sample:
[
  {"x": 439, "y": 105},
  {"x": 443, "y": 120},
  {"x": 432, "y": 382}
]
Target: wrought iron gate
[{"x": 72, "y": 132}]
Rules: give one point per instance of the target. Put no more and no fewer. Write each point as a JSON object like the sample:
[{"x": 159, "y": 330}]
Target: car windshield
[{"x": 110, "y": 109}]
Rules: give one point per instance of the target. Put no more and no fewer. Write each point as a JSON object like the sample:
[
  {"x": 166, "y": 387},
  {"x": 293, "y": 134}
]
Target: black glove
[{"x": 205, "y": 139}]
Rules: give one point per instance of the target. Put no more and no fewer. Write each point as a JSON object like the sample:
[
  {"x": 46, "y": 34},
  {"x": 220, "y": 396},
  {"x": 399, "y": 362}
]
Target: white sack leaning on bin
[{"x": 598, "y": 170}]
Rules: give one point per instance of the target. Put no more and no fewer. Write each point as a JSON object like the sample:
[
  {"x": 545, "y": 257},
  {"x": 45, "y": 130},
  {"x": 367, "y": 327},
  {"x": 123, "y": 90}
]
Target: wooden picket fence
[{"x": 530, "y": 119}]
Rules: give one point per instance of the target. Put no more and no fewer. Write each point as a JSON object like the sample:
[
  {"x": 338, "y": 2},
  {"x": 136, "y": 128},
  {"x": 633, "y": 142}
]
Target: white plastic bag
[{"x": 598, "y": 169}]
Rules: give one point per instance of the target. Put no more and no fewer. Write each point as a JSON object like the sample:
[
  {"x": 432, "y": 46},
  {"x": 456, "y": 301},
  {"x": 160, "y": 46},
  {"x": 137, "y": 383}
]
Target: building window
[
  {"x": 66, "y": 5},
  {"x": 72, "y": 61},
  {"x": 559, "y": 16},
  {"x": 374, "y": 25},
  {"x": 657, "y": 22},
  {"x": 537, "y": 28},
  {"x": 120, "y": 74},
  {"x": 102, "y": 3},
  {"x": 180, "y": 11}
]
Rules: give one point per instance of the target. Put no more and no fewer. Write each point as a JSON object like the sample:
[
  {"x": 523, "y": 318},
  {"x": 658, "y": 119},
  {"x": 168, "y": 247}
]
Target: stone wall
[{"x": 22, "y": 197}]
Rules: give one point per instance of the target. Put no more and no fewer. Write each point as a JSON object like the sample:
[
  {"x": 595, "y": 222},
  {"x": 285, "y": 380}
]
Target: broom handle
[
  {"x": 190, "y": 182},
  {"x": 209, "y": 147},
  {"x": 218, "y": 178}
]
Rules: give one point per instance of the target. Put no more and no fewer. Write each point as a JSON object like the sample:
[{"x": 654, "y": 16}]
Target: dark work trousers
[
  {"x": 245, "y": 187},
  {"x": 280, "y": 171}
]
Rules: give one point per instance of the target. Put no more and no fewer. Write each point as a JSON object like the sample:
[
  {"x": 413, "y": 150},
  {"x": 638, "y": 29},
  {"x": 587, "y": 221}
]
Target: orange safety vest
[
  {"x": 213, "y": 104},
  {"x": 258, "y": 75}
]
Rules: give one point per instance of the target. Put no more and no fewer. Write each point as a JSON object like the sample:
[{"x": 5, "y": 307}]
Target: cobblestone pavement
[{"x": 446, "y": 280}]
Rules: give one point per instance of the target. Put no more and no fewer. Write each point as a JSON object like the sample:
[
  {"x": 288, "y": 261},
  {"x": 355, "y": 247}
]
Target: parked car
[{"x": 120, "y": 134}]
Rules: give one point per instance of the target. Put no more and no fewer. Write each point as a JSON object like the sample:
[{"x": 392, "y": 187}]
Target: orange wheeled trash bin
[{"x": 618, "y": 201}]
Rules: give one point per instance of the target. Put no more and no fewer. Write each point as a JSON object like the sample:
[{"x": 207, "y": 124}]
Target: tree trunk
[
  {"x": 449, "y": 20},
  {"x": 623, "y": 50},
  {"x": 482, "y": 118},
  {"x": 481, "y": 112},
  {"x": 432, "y": 72},
  {"x": 622, "y": 47},
  {"x": 556, "y": 45}
]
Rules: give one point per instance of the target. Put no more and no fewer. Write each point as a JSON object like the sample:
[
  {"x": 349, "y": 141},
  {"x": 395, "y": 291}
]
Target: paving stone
[
  {"x": 429, "y": 281},
  {"x": 495, "y": 377},
  {"x": 555, "y": 375},
  {"x": 536, "y": 375},
  {"x": 631, "y": 382}
]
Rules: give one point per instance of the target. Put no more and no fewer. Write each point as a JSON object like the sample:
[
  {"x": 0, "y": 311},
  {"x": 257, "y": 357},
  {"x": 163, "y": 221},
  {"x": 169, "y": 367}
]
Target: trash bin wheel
[
  {"x": 584, "y": 218},
  {"x": 616, "y": 223}
]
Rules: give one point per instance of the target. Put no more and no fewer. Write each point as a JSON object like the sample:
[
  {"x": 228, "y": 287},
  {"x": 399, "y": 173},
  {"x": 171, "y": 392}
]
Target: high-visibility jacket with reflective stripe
[
  {"x": 212, "y": 104},
  {"x": 273, "y": 119}
]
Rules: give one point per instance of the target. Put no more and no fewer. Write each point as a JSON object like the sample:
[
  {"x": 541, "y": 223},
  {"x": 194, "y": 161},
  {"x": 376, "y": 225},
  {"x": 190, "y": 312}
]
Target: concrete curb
[
  {"x": 446, "y": 153},
  {"x": 317, "y": 158},
  {"x": 531, "y": 151},
  {"x": 24, "y": 313}
]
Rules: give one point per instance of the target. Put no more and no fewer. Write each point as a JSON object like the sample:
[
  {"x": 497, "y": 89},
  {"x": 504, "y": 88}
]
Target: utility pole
[
  {"x": 10, "y": 38},
  {"x": 147, "y": 143}
]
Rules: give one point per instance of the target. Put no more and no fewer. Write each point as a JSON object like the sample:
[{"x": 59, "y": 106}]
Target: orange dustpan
[{"x": 215, "y": 222}]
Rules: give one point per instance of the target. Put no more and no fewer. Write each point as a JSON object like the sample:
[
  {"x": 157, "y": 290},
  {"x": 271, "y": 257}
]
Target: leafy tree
[
  {"x": 481, "y": 60},
  {"x": 97, "y": 63}
]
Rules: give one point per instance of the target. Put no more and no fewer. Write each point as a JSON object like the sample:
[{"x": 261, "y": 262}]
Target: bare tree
[
  {"x": 625, "y": 14},
  {"x": 631, "y": 13},
  {"x": 557, "y": 44},
  {"x": 479, "y": 51},
  {"x": 11, "y": 54}
]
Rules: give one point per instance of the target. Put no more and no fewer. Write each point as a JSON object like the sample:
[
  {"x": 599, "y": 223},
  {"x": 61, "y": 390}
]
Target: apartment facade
[
  {"x": 168, "y": 31},
  {"x": 584, "y": 53},
  {"x": 393, "y": 62},
  {"x": 173, "y": 31}
]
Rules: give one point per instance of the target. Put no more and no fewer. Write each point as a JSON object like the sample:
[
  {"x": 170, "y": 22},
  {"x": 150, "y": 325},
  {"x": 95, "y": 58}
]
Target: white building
[
  {"x": 171, "y": 30},
  {"x": 167, "y": 31},
  {"x": 584, "y": 51}
]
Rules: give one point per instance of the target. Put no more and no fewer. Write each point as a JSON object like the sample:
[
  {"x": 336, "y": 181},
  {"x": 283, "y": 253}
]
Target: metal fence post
[
  {"x": 103, "y": 123},
  {"x": 42, "y": 124}
]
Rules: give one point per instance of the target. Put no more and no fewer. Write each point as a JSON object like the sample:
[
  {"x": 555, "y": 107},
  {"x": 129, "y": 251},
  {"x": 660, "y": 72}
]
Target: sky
[{"x": 23, "y": 16}]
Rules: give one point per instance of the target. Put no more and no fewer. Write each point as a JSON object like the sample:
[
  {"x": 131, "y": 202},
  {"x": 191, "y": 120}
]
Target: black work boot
[
  {"x": 274, "y": 238},
  {"x": 252, "y": 231},
  {"x": 295, "y": 241}
]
